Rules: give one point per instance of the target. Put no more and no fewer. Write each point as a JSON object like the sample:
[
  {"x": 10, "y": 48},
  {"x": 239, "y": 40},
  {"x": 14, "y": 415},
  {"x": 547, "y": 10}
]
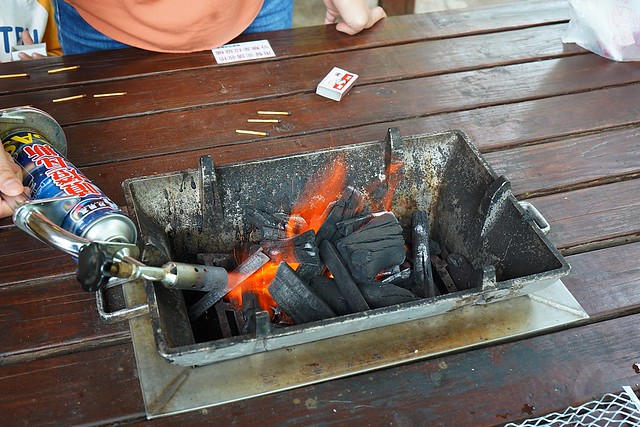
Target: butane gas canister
[{"x": 48, "y": 174}]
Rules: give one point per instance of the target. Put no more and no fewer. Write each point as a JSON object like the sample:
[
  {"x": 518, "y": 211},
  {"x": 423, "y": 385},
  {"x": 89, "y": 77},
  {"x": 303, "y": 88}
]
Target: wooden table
[{"x": 560, "y": 122}]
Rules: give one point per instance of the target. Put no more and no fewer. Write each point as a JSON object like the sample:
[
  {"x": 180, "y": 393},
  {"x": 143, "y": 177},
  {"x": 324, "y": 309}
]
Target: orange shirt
[{"x": 169, "y": 25}]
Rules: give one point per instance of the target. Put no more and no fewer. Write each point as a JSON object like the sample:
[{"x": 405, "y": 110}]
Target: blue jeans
[{"x": 76, "y": 36}]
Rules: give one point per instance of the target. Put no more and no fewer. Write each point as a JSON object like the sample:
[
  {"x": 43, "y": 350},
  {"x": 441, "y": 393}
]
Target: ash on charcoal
[
  {"x": 375, "y": 246},
  {"x": 296, "y": 298}
]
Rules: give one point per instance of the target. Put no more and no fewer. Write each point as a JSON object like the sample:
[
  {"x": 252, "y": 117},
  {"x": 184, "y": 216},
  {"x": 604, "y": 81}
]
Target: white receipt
[{"x": 243, "y": 51}]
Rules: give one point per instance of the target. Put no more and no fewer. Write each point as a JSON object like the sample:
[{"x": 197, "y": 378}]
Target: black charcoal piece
[
  {"x": 375, "y": 246},
  {"x": 307, "y": 271},
  {"x": 460, "y": 271},
  {"x": 250, "y": 306},
  {"x": 421, "y": 258},
  {"x": 343, "y": 278},
  {"x": 252, "y": 264},
  {"x": 230, "y": 320},
  {"x": 380, "y": 294},
  {"x": 296, "y": 298},
  {"x": 297, "y": 249},
  {"x": 328, "y": 290},
  {"x": 349, "y": 204},
  {"x": 440, "y": 268}
]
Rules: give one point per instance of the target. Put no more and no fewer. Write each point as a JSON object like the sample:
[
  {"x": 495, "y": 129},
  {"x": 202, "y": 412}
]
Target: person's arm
[
  {"x": 12, "y": 192},
  {"x": 356, "y": 15}
]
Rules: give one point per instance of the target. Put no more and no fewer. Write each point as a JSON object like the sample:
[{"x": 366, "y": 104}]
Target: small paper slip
[
  {"x": 29, "y": 49},
  {"x": 243, "y": 51},
  {"x": 336, "y": 84}
]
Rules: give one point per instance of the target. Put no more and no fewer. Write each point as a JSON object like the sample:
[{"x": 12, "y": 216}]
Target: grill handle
[{"x": 537, "y": 217}]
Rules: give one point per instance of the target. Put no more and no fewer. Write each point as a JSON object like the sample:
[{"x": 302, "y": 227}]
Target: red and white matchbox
[{"x": 336, "y": 84}]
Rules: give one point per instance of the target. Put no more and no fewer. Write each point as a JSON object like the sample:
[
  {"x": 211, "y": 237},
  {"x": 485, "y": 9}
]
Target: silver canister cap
[
  {"x": 32, "y": 119},
  {"x": 114, "y": 227}
]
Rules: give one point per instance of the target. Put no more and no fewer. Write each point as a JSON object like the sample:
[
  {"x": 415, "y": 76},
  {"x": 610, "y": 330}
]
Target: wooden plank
[
  {"x": 545, "y": 373},
  {"x": 92, "y": 387},
  {"x": 308, "y": 41},
  {"x": 524, "y": 379},
  {"x": 605, "y": 282},
  {"x": 220, "y": 86},
  {"x": 214, "y": 126},
  {"x": 24, "y": 259},
  {"x": 44, "y": 319},
  {"x": 576, "y": 162},
  {"x": 585, "y": 219},
  {"x": 490, "y": 128}
]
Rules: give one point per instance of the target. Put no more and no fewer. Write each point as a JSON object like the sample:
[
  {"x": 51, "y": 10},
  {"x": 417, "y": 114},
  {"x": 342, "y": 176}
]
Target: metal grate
[{"x": 613, "y": 410}]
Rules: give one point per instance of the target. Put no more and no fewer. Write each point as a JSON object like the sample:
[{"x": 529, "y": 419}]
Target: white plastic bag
[{"x": 610, "y": 28}]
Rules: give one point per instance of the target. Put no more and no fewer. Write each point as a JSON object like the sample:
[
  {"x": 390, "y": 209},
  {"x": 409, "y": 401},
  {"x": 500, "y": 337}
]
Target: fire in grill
[{"x": 341, "y": 240}]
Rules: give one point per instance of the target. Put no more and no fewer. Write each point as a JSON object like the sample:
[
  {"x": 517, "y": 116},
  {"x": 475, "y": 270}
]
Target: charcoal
[
  {"x": 298, "y": 249},
  {"x": 230, "y": 321},
  {"x": 460, "y": 270},
  {"x": 347, "y": 286},
  {"x": 250, "y": 306},
  {"x": 349, "y": 204},
  {"x": 328, "y": 290},
  {"x": 379, "y": 294},
  {"x": 252, "y": 264},
  {"x": 262, "y": 219},
  {"x": 434, "y": 248},
  {"x": 396, "y": 275},
  {"x": 268, "y": 233},
  {"x": 307, "y": 271},
  {"x": 263, "y": 324},
  {"x": 275, "y": 225},
  {"x": 421, "y": 259},
  {"x": 375, "y": 246},
  {"x": 256, "y": 320},
  {"x": 440, "y": 268},
  {"x": 296, "y": 298},
  {"x": 350, "y": 225}
]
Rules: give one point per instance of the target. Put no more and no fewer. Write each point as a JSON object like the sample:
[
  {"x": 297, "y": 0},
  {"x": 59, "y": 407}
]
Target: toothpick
[
  {"x": 251, "y": 132},
  {"x": 60, "y": 70},
  {"x": 69, "y": 98},
  {"x": 105, "y": 95},
  {"x": 263, "y": 120},
  {"x": 13, "y": 76},
  {"x": 275, "y": 113}
]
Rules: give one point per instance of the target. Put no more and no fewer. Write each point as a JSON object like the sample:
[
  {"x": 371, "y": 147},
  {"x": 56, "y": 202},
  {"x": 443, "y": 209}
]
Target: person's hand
[
  {"x": 356, "y": 15},
  {"x": 12, "y": 192},
  {"x": 27, "y": 40}
]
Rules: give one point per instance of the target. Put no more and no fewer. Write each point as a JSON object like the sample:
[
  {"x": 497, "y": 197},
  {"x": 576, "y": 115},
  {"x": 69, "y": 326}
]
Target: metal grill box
[{"x": 204, "y": 210}]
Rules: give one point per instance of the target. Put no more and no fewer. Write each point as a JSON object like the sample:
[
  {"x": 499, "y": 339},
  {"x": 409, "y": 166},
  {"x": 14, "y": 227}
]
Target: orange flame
[{"x": 321, "y": 190}]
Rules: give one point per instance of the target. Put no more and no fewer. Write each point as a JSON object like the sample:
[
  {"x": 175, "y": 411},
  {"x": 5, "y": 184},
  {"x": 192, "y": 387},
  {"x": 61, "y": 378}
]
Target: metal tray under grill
[{"x": 204, "y": 210}]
